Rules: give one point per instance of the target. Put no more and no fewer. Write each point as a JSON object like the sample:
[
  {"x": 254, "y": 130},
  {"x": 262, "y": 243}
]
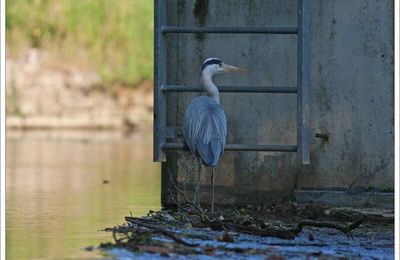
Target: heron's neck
[{"x": 209, "y": 86}]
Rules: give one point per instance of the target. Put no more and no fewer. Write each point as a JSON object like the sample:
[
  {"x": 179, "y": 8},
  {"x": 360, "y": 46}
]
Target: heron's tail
[{"x": 216, "y": 151}]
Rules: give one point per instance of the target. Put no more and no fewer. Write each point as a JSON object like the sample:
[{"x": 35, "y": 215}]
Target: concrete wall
[{"x": 351, "y": 94}]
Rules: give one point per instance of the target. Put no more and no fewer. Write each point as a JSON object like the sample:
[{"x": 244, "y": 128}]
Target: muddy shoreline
[{"x": 265, "y": 232}]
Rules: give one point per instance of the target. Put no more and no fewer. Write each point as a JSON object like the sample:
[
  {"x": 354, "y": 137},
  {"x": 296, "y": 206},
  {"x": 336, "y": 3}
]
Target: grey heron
[{"x": 204, "y": 126}]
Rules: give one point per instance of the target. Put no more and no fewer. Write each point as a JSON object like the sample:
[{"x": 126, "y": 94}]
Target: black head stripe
[{"x": 210, "y": 62}]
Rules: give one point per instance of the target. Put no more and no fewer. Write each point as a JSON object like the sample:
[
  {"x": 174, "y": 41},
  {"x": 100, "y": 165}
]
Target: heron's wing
[{"x": 205, "y": 129}]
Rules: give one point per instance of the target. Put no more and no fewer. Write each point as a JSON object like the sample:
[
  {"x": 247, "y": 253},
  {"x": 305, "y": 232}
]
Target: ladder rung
[
  {"x": 237, "y": 89},
  {"x": 232, "y": 30},
  {"x": 240, "y": 147}
]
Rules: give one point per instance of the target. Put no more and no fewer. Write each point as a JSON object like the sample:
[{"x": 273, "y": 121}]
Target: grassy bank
[{"x": 115, "y": 37}]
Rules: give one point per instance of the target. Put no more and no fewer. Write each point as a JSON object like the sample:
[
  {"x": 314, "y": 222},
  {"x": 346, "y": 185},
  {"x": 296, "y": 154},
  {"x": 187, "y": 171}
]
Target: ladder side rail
[
  {"x": 303, "y": 82},
  {"x": 160, "y": 78}
]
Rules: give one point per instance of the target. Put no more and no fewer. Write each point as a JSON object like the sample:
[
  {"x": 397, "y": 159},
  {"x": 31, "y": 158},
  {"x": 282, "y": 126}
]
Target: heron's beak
[{"x": 230, "y": 68}]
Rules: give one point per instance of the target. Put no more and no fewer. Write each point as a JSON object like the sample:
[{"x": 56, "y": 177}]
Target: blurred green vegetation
[{"x": 115, "y": 37}]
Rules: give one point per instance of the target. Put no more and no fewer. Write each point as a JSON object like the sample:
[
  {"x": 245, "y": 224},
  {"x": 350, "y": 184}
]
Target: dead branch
[
  {"x": 279, "y": 233},
  {"x": 116, "y": 240},
  {"x": 172, "y": 236},
  {"x": 346, "y": 229},
  {"x": 158, "y": 230},
  {"x": 178, "y": 204},
  {"x": 187, "y": 201}
]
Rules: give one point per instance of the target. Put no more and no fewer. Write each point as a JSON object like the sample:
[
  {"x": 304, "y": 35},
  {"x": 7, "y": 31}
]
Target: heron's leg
[
  {"x": 197, "y": 188},
  {"x": 212, "y": 184}
]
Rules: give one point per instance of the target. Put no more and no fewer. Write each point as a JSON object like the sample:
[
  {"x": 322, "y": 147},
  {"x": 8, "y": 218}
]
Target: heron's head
[{"x": 213, "y": 66}]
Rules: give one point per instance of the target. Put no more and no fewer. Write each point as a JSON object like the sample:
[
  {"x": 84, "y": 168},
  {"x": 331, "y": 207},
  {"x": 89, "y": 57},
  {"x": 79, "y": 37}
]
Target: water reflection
[{"x": 62, "y": 187}]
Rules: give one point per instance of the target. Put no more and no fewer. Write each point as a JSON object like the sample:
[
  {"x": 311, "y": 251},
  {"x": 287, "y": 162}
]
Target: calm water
[{"x": 63, "y": 187}]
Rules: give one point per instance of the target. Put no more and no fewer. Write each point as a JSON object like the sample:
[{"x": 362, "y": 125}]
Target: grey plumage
[{"x": 204, "y": 130}]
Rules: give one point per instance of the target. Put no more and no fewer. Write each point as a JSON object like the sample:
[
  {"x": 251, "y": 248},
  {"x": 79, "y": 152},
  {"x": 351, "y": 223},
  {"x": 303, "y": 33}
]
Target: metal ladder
[{"x": 302, "y": 90}]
